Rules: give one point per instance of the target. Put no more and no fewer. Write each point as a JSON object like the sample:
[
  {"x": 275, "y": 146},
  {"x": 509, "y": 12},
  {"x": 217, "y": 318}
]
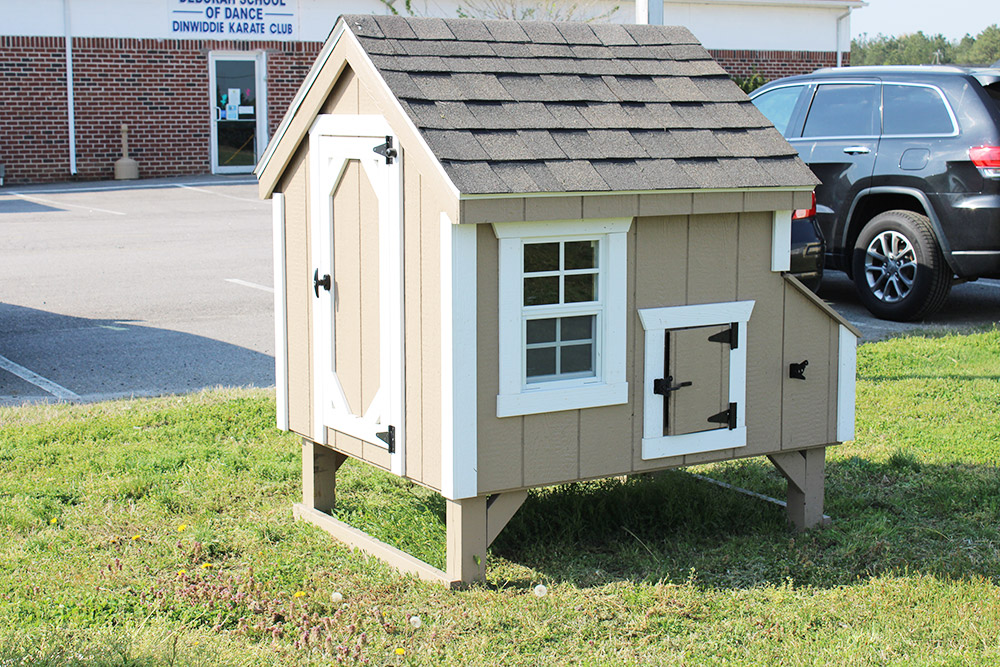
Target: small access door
[
  {"x": 694, "y": 389},
  {"x": 357, "y": 235},
  {"x": 239, "y": 117}
]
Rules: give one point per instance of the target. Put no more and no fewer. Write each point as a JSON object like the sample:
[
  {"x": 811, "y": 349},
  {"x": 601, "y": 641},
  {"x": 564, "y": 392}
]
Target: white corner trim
[
  {"x": 280, "y": 312},
  {"x": 656, "y": 322},
  {"x": 846, "y": 384},
  {"x": 459, "y": 373},
  {"x": 781, "y": 241},
  {"x": 318, "y": 210}
]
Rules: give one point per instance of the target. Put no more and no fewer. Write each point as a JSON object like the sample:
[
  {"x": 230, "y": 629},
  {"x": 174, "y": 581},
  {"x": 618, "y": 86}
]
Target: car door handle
[{"x": 857, "y": 150}]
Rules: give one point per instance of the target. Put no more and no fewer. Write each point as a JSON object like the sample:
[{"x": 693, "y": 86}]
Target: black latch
[
  {"x": 729, "y": 336},
  {"x": 726, "y": 417},
  {"x": 323, "y": 282},
  {"x": 798, "y": 371},
  {"x": 386, "y": 150},
  {"x": 389, "y": 438},
  {"x": 662, "y": 386}
]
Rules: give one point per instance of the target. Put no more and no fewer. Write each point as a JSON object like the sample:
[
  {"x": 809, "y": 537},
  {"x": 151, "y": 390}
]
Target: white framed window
[{"x": 563, "y": 305}]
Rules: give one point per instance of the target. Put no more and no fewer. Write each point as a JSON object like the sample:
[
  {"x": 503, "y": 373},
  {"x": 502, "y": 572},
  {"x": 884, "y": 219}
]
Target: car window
[
  {"x": 914, "y": 110},
  {"x": 843, "y": 110},
  {"x": 777, "y": 105},
  {"x": 994, "y": 91}
]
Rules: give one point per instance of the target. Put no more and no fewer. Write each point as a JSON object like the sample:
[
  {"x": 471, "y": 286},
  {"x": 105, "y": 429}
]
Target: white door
[
  {"x": 239, "y": 111},
  {"x": 357, "y": 254}
]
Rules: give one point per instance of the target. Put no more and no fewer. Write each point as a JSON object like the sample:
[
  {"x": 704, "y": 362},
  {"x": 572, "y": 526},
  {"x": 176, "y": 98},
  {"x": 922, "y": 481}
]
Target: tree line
[{"x": 921, "y": 49}]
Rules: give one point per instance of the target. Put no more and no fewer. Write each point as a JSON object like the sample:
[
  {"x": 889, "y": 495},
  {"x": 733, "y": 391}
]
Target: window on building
[{"x": 562, "y": 315}]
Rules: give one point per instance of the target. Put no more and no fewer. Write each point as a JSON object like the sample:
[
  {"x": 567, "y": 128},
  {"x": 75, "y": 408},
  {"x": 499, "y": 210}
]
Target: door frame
[
  {"x": 655, "y": 323},
  {"x": 329, "y": 403},
  {"x": 259, "y": 58}
]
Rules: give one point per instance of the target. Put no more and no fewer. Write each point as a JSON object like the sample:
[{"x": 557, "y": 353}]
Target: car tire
[{"x": 899, "y": 271}]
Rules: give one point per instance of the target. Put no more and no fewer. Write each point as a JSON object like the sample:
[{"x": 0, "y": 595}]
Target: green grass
[{"x": 159, "y": 532}]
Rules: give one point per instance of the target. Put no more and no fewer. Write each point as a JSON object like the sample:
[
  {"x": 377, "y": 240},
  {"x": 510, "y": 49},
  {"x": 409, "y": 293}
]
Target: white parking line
[
  {"x": 37, "y": 380},
  {"x": 220, "y": 194},
  {"x": 51, "y": 202},
  {"x": 237, "y": 281}
]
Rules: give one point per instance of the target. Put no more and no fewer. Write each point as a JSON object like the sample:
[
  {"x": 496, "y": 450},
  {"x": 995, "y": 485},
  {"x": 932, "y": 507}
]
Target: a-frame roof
[{"x": 523, "y": 107}]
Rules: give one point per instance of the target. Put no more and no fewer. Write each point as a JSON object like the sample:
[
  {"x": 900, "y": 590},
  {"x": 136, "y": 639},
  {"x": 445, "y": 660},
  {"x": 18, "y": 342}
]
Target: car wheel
[{"x": 899, "y": 270}]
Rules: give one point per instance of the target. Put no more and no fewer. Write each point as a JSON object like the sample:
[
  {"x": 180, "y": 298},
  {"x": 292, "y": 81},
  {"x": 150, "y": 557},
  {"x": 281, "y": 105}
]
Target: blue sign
[{"x": 234, "y": 19}]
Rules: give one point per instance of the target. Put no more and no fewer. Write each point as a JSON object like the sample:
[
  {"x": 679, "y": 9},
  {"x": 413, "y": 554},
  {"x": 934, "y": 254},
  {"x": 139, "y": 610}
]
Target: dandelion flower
[
  {"x": 415, "y": 622},
  {"x": 400, "y": 651},
  {"x": 299, "y": 594},
  {"x": 135, "y": 537},
  {"x": 53, "y": 520},
  {"x": 541, "y": 591},
  {"x": 336, "y": 597},
  {"x": 181, "y": 573},
  {"x": 181, "y": 528},
  {"x": 206, "y": 566}
]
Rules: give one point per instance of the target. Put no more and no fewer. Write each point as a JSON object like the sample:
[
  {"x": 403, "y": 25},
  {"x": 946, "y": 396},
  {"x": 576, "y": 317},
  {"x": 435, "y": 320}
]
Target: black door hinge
[
  {"x": 386, "y": 150},
  {"x": 798, "y": 371},
  {"x": 389, "y": 438},
  {"x": 726, "y": 417},
  {"x": 730, "y": 336}
]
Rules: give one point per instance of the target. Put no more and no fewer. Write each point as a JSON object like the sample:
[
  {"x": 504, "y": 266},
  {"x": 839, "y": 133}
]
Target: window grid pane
[
  {"x": 570, "y": 355},
  {"x": 556, "y": 273}
]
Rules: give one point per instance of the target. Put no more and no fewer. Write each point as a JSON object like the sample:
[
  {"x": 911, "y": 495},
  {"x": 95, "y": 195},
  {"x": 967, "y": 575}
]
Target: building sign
[{"x": 234, "y": 19}]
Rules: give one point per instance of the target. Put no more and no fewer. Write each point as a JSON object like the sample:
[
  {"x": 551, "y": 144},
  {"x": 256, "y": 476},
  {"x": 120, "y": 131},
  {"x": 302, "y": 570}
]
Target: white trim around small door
[{"x": 656, "y": 322}]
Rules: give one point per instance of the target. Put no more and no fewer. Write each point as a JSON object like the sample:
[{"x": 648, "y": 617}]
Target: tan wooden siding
[
  {"x": 295, "y": 185},
  {"x": 672, "y": 261}
]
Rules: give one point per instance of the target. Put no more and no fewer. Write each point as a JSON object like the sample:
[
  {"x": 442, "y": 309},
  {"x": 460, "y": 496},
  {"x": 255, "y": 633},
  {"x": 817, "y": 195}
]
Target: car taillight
[
  {"x": 800, "y": 213},
  {"x": 987, "y": 160}
]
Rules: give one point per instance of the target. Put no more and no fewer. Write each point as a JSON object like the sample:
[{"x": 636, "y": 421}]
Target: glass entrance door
[{"x": 238, "y": 128}]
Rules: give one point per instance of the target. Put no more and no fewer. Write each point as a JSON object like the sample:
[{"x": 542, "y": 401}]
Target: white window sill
[{"x": 536, "y": 401}]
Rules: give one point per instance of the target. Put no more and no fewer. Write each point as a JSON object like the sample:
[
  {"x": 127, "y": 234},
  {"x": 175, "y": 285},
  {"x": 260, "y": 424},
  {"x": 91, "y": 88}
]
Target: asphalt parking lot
[
  {"x": 127, "y": 289},
  {"x": 112, "y": 290}
]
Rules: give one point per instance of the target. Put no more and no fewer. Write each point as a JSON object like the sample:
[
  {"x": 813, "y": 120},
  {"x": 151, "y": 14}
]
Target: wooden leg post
[
  {"x": 319, "y": 476},
  {"x": 467, "y": 540},
  {"x": 804, "y": 471}
]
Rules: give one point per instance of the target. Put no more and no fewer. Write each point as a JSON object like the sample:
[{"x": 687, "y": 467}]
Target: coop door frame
[
  {"x": 334, "y": 141},
  {"x": 656, "y": 322}
]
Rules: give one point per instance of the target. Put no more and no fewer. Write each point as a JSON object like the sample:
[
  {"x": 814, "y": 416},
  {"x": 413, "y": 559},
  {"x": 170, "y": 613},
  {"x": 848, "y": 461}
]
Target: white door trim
[
  {"x": 656, "y": 322},
  {"x": 332, "y": 143},
  {"x": 259, "y": 58}
]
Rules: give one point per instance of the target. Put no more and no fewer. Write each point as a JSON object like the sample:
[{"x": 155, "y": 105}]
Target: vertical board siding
[
  {"x": 672, "y": 261},
  {"x": 430, "y": 333},
  {"x": 368, "y": 278},
  {"x": 295, "y": 186},
  {"x": 348, "y": 299},
  {"x": 411, "y": 318},
  {"x": 765, "y": 332},
  {"x": 805, "y": 418}
]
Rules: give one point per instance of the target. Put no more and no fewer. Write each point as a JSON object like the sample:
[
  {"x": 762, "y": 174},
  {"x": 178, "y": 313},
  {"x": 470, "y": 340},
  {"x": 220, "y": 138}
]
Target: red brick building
[{"x": 202, "y": 84}]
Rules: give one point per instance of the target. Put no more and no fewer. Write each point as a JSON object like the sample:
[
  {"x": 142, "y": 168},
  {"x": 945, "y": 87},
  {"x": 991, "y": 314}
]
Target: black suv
[{"x": 909, "y": 159}]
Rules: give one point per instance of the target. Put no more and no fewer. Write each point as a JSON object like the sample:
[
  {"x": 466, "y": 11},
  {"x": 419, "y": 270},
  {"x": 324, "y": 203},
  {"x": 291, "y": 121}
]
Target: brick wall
[
  {"x": 159, "y": 88},
  {"x": 775, "y": 64}
]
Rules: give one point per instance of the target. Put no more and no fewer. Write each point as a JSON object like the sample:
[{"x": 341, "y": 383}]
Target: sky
[{"x": 952, "y": 18}]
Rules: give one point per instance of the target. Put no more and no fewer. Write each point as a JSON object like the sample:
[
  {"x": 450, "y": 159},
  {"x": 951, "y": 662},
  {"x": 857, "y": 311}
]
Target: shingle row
[
  {"x": 621, "y": 175},
  {"x": 520, "y": 107}
]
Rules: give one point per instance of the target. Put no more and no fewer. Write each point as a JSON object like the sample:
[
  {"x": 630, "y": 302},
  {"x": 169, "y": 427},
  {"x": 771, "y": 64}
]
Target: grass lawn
[{"x": 159, "y": 532}]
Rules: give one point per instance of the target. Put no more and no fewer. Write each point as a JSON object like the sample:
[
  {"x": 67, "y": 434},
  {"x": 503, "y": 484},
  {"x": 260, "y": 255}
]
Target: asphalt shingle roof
[{"x": 525, "y": 107}]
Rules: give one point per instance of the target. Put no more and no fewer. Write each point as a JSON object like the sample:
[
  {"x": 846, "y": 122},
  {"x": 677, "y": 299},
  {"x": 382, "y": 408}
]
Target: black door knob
[{"x": 324, "y": 282}]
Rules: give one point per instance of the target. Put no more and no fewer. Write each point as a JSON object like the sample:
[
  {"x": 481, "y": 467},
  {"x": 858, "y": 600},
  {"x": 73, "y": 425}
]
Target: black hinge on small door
[
  {"x": 386, "y": 150},
  {"x": 730, "y": 336},
  {"x": 726, "y": 417},
  {"x": 389, "y": 438}
]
